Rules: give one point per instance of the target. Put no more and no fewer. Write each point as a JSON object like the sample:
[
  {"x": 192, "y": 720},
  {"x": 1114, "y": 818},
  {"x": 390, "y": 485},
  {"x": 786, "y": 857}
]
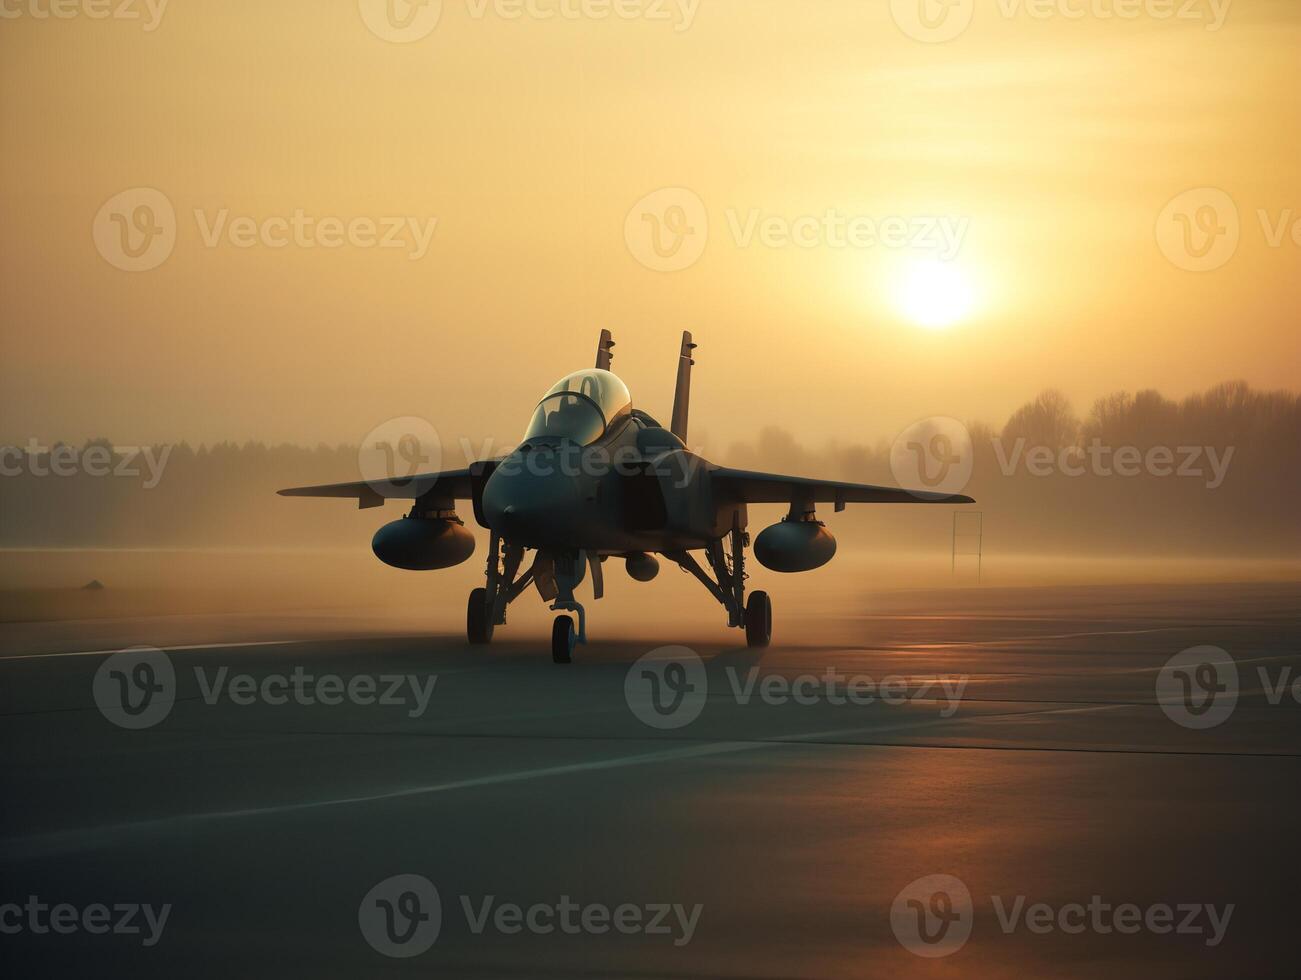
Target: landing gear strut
[
  {"x": 728, "y": 565},
  {"x": 556, "y": 577},
  {"x": 569, "y": 571},
  {"x": 486, "y": 608}
]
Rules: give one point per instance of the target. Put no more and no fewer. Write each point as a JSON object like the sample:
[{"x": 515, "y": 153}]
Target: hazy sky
[{"x": 896, "y": 226}]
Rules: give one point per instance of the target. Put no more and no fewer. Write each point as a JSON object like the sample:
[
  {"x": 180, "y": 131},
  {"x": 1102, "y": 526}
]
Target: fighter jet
[{"x": 594, "y": 479}]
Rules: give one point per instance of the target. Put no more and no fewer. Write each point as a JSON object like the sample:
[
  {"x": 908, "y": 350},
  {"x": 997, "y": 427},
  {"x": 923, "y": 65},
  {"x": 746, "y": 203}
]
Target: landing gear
[
  {"x": 563, "y": 639},
  {"x": 758, "y": 620},
  {"x": 555, "y": 576},
  {"x": 478, "y": 625},
  {"x": 726, "y": 556},
  {"x": 569, "y": 570},
  {"x": 486, "y": 608}
]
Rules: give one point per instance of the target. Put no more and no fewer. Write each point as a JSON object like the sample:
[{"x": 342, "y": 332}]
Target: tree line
[{"x": 1213, "y": 473}]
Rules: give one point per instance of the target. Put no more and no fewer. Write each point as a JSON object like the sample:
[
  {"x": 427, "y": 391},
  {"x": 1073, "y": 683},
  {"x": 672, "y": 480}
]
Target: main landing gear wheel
[
  {"x": 477, "y": 625},
  {"x": 758, "y": 620},
  {"x": 563, "y": 640}
]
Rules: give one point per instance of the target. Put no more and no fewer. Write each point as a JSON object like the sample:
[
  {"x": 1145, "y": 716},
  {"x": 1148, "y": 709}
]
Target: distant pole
[{"x": 975, "y": 518}]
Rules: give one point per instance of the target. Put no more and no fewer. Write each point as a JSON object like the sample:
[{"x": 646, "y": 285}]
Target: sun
[{"x": 934, "y": 294}]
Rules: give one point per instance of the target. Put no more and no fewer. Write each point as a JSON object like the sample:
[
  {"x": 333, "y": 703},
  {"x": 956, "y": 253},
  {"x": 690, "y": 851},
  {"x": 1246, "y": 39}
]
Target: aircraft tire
[
  {"x": 562, "y": 640},
  {"x": 477, "y": 626},
  {"x": 758, "y": 620}
]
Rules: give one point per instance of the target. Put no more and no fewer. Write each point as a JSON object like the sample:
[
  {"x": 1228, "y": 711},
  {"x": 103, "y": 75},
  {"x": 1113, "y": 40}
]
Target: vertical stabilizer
[
  {"x": 605, "y": 350},
  {"x": 682, "y": 394}
]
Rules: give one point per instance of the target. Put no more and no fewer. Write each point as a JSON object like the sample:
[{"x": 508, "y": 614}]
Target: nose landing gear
[
  {"x": 556, "y": 578},
  {"x": 569, "y": 571}
]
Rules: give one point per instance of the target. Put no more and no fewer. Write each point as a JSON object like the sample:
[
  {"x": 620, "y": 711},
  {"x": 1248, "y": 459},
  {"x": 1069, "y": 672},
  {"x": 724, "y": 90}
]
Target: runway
[{"x": 752, "y": 814}]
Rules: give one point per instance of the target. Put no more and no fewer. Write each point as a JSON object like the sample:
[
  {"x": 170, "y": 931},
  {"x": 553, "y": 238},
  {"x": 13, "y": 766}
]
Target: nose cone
[{"x": 530, "y": 500}]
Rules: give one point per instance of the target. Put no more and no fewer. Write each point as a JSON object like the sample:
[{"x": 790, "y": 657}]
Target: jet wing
[
  {"x": 746, "y": 486},
  {"x": 447, "y": 486}
]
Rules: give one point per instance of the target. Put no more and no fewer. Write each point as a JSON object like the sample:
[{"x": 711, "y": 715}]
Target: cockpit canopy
[{"x": 580, "y": 407}]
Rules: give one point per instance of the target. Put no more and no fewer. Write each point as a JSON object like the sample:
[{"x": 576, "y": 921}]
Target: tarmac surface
[{"x": 705, "y": 811}]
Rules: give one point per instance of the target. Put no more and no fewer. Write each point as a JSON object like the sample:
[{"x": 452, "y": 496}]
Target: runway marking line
[
  {"x": 73, "y": 840},
  {"x": 216, "y": 646}
]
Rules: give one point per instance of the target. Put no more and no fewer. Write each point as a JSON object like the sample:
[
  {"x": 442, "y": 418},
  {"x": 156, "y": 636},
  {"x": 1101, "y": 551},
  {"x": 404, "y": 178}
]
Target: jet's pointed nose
[{"x": 529, "y": 500}]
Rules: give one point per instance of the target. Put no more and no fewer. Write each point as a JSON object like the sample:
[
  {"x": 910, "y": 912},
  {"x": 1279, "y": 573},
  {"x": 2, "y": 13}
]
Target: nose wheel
[
  {"x": 569, "y": 572},
  {"x": 563, "y": 640}
]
